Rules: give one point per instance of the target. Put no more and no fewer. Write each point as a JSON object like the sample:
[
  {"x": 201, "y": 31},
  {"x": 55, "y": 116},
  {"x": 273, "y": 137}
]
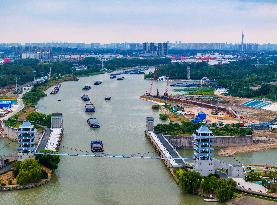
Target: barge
[
  {"x": 85, "y": 98},
  {"x": 89, "y": 107},
  {"x": 93, "y": 122},
  {"x": 86, "y": 87},
  {"x": 120, "y": 78},
  {"x": 97, "y": 146},
  {"x": 97, "y": 82},
  {"x": 56, "y": 89}
]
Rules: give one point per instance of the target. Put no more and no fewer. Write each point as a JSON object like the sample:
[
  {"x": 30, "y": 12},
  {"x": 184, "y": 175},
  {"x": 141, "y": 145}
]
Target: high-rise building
[
  {"x": 145, "y": 47},
  {"x": 165, "y": 49},
  {"x": 162, "y": 49},
  {"x": 26, "y": 137},
  {"x": 152, "y": 48},
  {"x": 242, "y": 41},
  {"x": 203, "y": 151}
]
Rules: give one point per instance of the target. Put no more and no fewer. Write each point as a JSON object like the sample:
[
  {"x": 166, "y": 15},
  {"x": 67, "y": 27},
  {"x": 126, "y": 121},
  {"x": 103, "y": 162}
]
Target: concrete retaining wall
[
  {"x": 21, "y": 187},
  {"x": 219, "y": 141},
  {"x": 8, "y": 132}
]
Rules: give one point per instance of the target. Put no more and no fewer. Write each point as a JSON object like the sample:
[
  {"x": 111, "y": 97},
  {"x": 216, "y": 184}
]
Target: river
[
  {"x": 104, "y": 181},
  {"x": 101, "y": 181}
]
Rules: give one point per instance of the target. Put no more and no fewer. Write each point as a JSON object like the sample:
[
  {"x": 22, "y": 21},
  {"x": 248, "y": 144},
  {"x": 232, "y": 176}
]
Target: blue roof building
[{"x": 26, "y": 137}]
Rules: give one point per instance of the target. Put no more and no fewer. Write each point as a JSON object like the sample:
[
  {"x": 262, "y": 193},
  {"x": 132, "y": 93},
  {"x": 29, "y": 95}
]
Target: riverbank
[
  {"x": 232, "y": 151},
  {"x": 9, "y": 183},
  {"x": 262, "y": 140},
  {"x": 247, "y": 200}
]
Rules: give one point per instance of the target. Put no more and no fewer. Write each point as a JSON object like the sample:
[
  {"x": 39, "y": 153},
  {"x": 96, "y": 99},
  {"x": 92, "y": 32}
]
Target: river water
[
  {"x": 104, "y": 181},
  {"x": 109, "y": 181}
]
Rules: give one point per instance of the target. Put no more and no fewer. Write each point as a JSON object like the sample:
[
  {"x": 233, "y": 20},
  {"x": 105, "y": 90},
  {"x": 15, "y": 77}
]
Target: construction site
[{"x": 219, "y": 110}]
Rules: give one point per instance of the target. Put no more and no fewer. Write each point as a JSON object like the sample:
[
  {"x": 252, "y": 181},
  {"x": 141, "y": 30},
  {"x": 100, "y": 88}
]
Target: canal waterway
[{"x": 101, "y": 181}]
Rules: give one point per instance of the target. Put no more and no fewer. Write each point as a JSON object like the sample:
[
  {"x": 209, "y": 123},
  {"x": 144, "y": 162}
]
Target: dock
[{"x": 168, "y": 153}]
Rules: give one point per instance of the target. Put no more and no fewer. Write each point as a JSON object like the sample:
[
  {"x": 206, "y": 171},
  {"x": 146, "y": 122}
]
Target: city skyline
[{"x": 109, "y": 21}]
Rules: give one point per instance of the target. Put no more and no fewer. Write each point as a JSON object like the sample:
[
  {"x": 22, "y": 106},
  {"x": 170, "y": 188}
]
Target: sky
[{"x": 108, "y": 21}]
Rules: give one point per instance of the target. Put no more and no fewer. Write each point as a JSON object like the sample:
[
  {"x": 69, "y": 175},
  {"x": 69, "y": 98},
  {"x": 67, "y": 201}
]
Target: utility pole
[
  {"x": 188, "y": 73},
  {"x": 16, "y": 84},
  {"x": 34, "y": 75},
  {"x": 102, "y": 61},
  {"x": 49, "y": 75}
]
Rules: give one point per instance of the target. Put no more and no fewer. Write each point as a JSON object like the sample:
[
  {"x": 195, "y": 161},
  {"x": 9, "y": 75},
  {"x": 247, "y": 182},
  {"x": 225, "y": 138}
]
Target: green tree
[
  {"x": 190, "y": 181},
  {"x": 253, "y": 176},
  {"x": 225, "y": 190},
  {"x": 163, "y": 117},
  {"x": 39, "y": 118},
  {"x": 208, "y": 184},
  {"x": 50, "y": 161},
  {"x": 29, "y": 171}
]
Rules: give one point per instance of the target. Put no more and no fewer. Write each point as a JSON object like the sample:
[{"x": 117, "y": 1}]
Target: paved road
[
  {"x": 44, "y": 139},
  {"x": 250, "y": 186}
]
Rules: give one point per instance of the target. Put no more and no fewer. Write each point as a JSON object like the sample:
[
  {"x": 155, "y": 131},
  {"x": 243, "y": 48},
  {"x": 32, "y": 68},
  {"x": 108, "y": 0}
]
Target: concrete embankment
[
  {"x": 22, "y": 187},
  {"x": 219, "y": 141},
  {"x": 231, "y": 151},
  {"x": 168, "y": 153}
]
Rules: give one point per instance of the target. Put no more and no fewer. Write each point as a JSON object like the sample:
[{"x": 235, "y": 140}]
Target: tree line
[
  {"x": 188, "y": 128},
  {"x": 192, "y": 182},
  {"x": 242, "y": 78},
  {"x": 26, "y": 70}
]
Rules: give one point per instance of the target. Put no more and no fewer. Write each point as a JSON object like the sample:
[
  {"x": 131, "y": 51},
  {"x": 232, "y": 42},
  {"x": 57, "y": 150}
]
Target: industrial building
[{"x": 57, "y": 120}]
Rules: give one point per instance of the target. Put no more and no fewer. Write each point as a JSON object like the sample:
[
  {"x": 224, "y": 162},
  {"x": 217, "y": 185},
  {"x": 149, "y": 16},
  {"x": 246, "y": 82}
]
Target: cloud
[{"x": 128, "y": 20}]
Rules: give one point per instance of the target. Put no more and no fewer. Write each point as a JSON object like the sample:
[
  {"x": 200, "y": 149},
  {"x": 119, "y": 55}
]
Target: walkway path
[
  {"x": 250, "y": 186},
  {"x": 44, "y": 139}
]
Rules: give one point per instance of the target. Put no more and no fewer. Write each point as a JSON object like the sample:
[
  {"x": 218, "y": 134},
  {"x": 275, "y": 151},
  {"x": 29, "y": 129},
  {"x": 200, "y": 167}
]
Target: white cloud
[{"x": 128, "y": 20}]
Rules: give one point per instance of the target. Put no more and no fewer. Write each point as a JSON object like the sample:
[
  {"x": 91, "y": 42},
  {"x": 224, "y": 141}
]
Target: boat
[
  {"x": 89, "y": 107},
  {"x": 136, "y": 72},
  {"x": 53, "y": 92},
  {"x": 185, "y": 84},
  {"x": 97, "y": 146},
  {"x": 120, "y": 78},
  {"x": 93, "y": 122},
  {"x": 97, "y": 82},
  {"x": 108, "y": 98},
  {"x": 211, "y": 200},
  {"x": 56, "y": 89},
  {"x": 86, "y": 87},
  {"x": 85, "y": 98}
]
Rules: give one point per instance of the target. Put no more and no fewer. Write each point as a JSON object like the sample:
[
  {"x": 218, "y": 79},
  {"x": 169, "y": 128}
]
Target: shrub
[
  {"x": 29, "y": 171},
  {"x": 50, "y": 161},
  {"x": 44, "y": 174},
  {"x": 155, "y": 107},
  {"x": 163, "y": 117}
]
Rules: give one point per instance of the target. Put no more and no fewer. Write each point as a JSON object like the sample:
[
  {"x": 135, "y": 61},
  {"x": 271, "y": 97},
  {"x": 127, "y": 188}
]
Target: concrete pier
[{"x": 171, "y": 157}]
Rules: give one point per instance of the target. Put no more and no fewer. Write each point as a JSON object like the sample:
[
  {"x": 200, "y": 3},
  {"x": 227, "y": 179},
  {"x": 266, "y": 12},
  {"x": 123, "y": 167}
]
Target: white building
[{"x": 203, "y": 151}]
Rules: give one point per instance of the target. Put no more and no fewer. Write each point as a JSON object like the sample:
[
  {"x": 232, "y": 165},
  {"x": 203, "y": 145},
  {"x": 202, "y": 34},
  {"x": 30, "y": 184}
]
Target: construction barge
[{"x": 165, "y": 99}]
